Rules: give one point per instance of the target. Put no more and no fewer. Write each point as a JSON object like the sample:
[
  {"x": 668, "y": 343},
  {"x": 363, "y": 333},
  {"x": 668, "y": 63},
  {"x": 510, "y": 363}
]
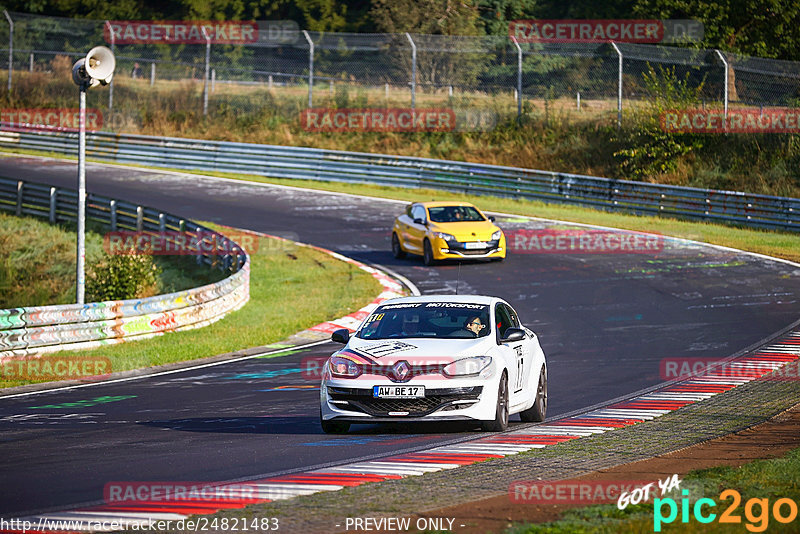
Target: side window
[
  {"x": 513, "y": 316},
  {"x": 503, "y": 321},
  {"x": 418, "y": 212}
]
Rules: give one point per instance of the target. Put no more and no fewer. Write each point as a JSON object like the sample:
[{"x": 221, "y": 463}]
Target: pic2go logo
[{"x": 756, "y": 511}]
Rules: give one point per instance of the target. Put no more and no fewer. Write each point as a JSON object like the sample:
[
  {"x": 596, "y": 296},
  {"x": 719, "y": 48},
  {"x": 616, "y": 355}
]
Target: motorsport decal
[{"x": 383, "y": 349}]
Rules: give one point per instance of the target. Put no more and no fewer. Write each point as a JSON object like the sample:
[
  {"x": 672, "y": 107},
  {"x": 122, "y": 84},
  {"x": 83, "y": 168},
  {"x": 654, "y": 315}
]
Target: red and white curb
[{"x": 637, "y": 409}]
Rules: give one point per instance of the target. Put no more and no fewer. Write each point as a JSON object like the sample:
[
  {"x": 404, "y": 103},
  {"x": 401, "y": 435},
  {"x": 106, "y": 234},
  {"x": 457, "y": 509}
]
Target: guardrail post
[
  {"x": 205, "y": 78},
  {"x": 112, "y": 206},
  {"x": 310, "y": 69},
  {"x": 10, "y": 47},
  {"x": 162, "y": 223},
  {"x": 725, "y": 95},
  {"x": 619, "y": 86},
  {"x": 413, "y": 71},
  {"x": 199, "y": 245},
  {"x": 139, "y": 218},
  {"x": 519, "y": 77},
  {"x": 152, "y": 74},
  {"x": 53, "y": 200},
  {"x": 20, "y": 185}
]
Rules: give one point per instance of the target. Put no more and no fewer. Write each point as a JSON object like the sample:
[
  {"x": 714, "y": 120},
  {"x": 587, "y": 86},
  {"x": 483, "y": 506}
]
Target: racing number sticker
[{"x": 520, "y": 368}]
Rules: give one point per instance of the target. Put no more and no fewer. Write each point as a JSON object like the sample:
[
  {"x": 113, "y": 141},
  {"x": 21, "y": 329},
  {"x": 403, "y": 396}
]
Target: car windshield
[
  {"x": 446, "y": 320},
  {"x": 445, "y": 214}
]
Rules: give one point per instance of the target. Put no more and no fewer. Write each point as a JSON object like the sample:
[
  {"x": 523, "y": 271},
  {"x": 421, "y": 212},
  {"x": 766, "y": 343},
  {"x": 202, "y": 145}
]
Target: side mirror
[
  {"x": 491, "y": 218},
  {"x": 418, "y": 221},
  {"x": 341, "y": 336},
  {"x": 513, "y": 334}
]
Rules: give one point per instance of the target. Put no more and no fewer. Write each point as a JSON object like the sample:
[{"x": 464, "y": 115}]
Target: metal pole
[
  {"x": 213, "y": 79},
  {"x": 152, "y": 74},
  {"x": 619, "y": 86},
  {"x": 10, "y": 47},
  {"x": 81, "y": 256},
  {"x": 519, "y": 77},
  {"x": 111, "y": 83},
  {"x": 310, "y": 69},
  {"x": 725, "y": 63},
  {"x": 413, "y": 71},
  {"x": 205, "y": 78},
  {"x": 30, "y": 66}
]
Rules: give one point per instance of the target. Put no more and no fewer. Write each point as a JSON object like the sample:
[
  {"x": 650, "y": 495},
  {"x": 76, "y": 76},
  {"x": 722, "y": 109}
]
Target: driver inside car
[{"x": 475, "y": 325}]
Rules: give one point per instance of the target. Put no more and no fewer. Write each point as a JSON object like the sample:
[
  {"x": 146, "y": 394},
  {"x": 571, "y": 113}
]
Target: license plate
[
  {"x": 398, "y": 392},
  {"x": 476, "y": 244}
]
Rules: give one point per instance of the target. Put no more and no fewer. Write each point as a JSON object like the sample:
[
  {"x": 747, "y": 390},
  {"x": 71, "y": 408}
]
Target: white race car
[{"x": 435, "y": 358}]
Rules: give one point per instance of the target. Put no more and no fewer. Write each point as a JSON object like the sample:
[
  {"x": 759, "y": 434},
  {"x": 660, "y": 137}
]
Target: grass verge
[
  {"x": 764, "y": 481},
  {"x": 291, "y": 288}
]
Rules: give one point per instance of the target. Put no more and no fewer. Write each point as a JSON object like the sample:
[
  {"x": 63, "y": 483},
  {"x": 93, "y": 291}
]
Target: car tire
[
  {"x": 536, "y": 413},
  {"x": 500, "y": 421},
  {"x": 427, "y": 253},
  {"x": 397, "y": 248},
  {"x": 333, "y": 427}
]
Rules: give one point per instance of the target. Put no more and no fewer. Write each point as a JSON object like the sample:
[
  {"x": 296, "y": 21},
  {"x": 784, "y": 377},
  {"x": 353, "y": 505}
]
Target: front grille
[{"x": 361, "y": 400}]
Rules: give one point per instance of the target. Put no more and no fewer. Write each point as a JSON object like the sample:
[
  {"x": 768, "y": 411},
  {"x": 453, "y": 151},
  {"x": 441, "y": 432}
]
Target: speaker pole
[{"x": 81, "y": 256}]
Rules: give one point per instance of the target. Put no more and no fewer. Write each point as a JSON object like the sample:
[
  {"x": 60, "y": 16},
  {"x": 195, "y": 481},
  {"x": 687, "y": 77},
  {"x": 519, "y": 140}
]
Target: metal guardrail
[
  {"x": 39, "y": 329},
  {"x": 729, "y": 207}
]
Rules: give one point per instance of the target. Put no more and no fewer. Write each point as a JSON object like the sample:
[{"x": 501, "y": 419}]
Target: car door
[
  {"x": 415, "y": 231},
  {"x": 514, "y": 352}
]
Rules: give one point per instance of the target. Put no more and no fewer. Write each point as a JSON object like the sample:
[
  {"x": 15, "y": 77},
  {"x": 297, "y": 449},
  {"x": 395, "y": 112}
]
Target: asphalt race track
[{"x": 606, "y": 322}]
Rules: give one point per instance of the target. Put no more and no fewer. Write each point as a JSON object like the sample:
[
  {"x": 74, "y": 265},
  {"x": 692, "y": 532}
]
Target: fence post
[
  {"x": 205, "y": 79},
  {"x": 413, "y": 71},
  {"x": 725, "y": 96},
  {"x": 213, "y": 79},
  {"x": 310, "y": 69},
  {"x": 162, "y": 222},
  {"x": 30, "y": 66},
  {"x": 139, "y": 218},
  {"x": 619, "y": 85},
  {"x": 152, "y": 74},
  {"x": 519, "y": 77},
  {"x": 10, "y": 47},
  {"x": 111, "y": 83},
  {"x": 53, "y": 201},
  {"x": 20, "y": 186},
  {"x": 112, "y": 206}
]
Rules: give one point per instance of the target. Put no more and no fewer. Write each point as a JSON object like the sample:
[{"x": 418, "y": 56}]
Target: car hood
[
  {"x": 467, "y": 231},
  {"x": 419, "y": 351}
]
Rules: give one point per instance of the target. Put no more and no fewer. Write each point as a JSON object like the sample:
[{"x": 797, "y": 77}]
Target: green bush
[{"x": 120, "y": 277}]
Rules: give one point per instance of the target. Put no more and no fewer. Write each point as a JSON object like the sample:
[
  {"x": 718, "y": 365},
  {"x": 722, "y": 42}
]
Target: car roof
[
  {"x": 469, "y": 299},
  {"x": 439, "y": 203}
]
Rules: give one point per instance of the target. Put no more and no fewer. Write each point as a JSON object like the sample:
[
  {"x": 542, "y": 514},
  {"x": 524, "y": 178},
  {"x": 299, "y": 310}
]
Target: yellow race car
[{"x": 447, "y": 230}]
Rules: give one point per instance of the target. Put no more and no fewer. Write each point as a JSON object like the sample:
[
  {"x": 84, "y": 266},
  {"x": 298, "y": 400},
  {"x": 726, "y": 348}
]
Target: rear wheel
[
  {"x": 536, "y": 413},
  {"x": 397, "y": 249},
  {"x": 427, "y": 253},
  {"x": 500, "y": 421}
]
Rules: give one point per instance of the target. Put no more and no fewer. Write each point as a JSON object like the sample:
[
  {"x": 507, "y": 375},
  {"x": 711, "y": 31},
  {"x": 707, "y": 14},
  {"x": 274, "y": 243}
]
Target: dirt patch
[{"x": 771, "y": 439}]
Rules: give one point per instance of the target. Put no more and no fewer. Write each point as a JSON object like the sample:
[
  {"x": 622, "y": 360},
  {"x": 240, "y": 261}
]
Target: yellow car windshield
[{"x": 446, "y": 214}]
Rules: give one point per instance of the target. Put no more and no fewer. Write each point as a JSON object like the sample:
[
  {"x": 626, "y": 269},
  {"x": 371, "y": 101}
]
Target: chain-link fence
[{"x": 279, "y": 79}]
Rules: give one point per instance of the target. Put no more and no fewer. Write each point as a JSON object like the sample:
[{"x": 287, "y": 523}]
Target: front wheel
[
  {"x": 427, "y": 253},
  {"x": 500, "y": 421},
  {"x": 333, "y": 427},
  {"x": 397, "y": 249},
  {"x": 536, "y": 413}
]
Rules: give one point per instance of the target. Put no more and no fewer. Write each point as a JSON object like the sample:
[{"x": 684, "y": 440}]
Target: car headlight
[
  {"x": 467, "y": 366},
  {"x": 446, "y": 237},
  {"x": 497, "y": 235},
  {"x": 343, "y": 368}
]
